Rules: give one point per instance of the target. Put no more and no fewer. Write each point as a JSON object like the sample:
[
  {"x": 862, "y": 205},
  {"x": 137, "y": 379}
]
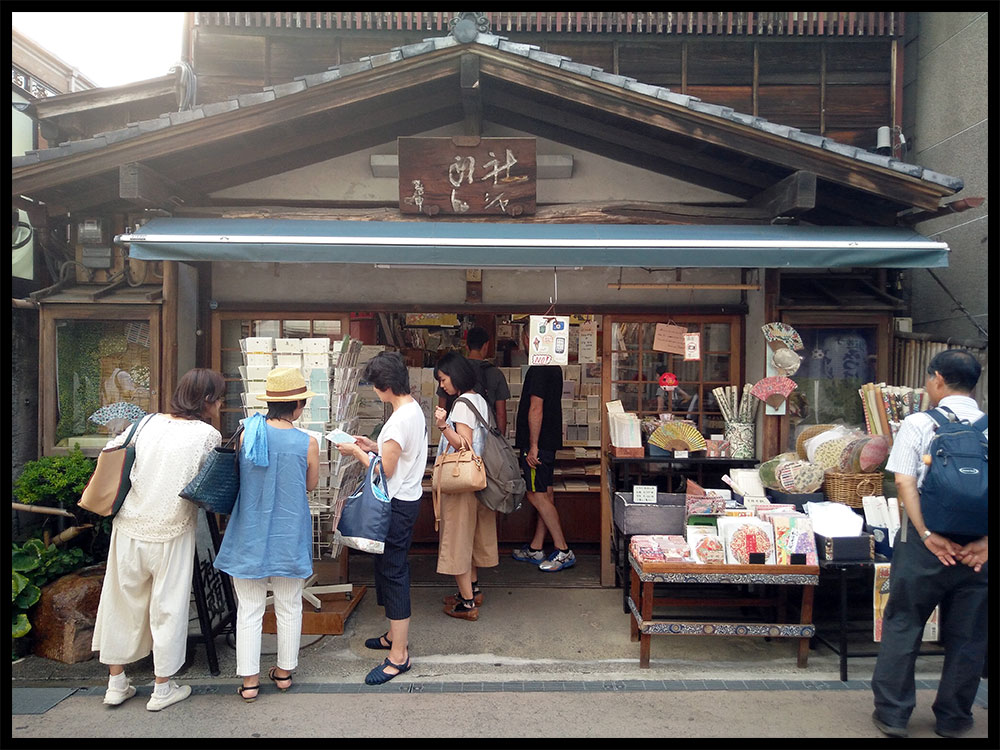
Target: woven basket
[
  {"x": 809, "y": 432},
  {"x": 850, "y": 488}
]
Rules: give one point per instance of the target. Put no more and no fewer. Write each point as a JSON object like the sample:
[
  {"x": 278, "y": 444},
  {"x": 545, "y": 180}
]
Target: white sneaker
[
  {"x": 175, "y": 694},
  {"x": 115, "y": 697}
]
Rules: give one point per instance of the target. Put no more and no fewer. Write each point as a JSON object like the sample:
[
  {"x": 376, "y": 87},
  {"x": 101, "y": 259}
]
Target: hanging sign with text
[
  {"x": 669, "y": 338},
  {"x": 548, "y": 340},
  {"x": 467, "y": 175}
]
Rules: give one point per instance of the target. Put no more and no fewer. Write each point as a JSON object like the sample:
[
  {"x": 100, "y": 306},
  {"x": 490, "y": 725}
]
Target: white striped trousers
[{"x": 250, "y": 594}]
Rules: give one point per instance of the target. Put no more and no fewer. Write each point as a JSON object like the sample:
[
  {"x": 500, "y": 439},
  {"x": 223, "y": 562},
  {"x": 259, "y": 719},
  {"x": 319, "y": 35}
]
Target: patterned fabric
[{"x": 168, "y": 454}]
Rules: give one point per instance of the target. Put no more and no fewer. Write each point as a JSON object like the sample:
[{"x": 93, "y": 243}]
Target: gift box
[
  {"x": 860, "y": 547},
  {"x": 880, "y": 534}
]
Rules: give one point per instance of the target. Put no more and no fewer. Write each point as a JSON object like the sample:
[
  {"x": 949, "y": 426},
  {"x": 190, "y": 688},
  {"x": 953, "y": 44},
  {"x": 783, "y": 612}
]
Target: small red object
[{"x": 668, "y": 379}]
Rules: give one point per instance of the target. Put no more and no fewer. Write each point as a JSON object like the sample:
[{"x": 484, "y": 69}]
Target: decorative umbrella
[
  {"x": 774, "y": 389},
  {"x": 782, "y": 334}
]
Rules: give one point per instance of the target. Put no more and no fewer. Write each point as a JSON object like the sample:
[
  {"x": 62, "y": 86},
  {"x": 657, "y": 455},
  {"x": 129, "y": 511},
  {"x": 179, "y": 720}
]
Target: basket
[
  {"x": 809, "y": 432},
  {"x": 850, "y": 488}
]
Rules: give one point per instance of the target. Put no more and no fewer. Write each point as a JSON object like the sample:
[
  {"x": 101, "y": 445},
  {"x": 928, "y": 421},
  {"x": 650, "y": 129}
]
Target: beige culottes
[
  {"x": 468, "y": 534},
  {"x": 145, "y": 602}
]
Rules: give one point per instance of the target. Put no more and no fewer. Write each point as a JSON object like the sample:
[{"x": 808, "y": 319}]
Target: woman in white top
[
  {"x": 468, "y": 528},
  {"x": 147, "y": 585},
  {"x": 402, "y": 446}
]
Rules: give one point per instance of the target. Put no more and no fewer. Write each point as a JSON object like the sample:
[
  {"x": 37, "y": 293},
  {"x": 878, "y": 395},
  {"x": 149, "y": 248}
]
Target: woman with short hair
[
  {"x": 147, "y": 584},
  {"x": 268, "y": 539},
  {"x": 402, "y": 446},
  {"x": 468, "y": 534}
]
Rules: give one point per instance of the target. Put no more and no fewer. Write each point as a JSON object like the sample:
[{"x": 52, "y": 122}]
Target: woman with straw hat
[{"x": 268, "y": 540}]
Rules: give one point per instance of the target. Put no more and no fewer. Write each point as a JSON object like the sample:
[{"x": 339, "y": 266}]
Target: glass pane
[
  {"x": 717, "y": 367},
  {"x": 296, "y": 329},
  {"x": 836, "y": 362},
  {"x": 624, "y": 366},
  {"x": 715, "y": 337},
  {"x": 678, "y": 402},
  {"x": 328, "y": 328},
  {"x": 625, "y": 336},
  {"x": 628, "y": 393},
  {"x": 270, "y": 328},
  {"x": 102, "y": 379}
]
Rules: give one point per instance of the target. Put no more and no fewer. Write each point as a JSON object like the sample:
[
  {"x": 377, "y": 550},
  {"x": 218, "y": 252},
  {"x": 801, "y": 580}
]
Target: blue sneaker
[
  {"x": 558, "y": 560},
  {"x": 528, "y": 555}
]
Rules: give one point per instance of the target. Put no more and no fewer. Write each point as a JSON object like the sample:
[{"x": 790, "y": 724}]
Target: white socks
[
  {"x": 118, "y": 681},
  {"x": 161, "y": 688}
]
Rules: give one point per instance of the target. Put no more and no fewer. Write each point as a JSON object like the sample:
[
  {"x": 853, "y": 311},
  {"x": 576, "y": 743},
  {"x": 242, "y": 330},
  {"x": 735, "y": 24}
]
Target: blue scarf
[{"x": 255, "y": 439}]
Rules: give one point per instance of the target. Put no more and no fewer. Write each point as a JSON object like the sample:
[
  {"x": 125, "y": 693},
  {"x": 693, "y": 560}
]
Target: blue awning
[{"x": 520, "y": 245}]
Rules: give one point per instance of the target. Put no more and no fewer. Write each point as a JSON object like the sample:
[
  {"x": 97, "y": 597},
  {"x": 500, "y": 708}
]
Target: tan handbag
[
  {"x": 110, "y": 483},
  {"x": 456, "y": 471}
]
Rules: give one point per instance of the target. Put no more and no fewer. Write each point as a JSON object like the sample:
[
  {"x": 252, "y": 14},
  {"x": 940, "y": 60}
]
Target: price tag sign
[{"x": 644, "y": 493}]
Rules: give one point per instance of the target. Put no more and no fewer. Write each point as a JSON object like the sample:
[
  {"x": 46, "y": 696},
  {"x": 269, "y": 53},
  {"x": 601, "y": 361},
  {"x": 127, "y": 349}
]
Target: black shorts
[{"x": 538, "y": 478}]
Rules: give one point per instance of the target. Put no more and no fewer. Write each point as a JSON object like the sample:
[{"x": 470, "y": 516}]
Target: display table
[
  {"x": 839, "y": 644},
  {"x": 645, "y": 576}
]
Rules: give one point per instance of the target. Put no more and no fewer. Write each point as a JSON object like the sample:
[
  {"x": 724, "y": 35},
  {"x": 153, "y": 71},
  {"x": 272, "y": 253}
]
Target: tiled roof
[{"x": 531, "y": 51}]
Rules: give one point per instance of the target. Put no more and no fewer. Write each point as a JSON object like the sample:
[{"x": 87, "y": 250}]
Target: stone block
[{"x": 63, "y": 622}]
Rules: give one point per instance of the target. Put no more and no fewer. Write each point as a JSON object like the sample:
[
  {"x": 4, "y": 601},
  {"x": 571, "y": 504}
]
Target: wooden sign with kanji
[{"x": 467, "y": 175}]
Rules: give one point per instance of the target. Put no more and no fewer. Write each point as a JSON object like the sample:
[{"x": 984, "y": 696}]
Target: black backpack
[
  {"x": 954, "y": 494},
  {"x": 505, "y": 486}
]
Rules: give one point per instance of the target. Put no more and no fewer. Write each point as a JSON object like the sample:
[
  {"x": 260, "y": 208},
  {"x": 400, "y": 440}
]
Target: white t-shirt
[
  {"x": 408, "y": 428},
  {"x": 461, "y": 413}
]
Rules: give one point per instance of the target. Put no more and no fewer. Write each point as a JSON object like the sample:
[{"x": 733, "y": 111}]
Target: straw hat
[{"x": 285, "y": 384}]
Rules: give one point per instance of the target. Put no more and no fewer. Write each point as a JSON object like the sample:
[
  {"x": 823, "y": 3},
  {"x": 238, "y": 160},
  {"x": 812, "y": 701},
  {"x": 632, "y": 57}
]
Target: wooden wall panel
[
  {"x": 730, "y": 63},
  {"x": 796, "y": 106},
  {"x": 857, "y": 106},
  {"x": 599, "y": 53},
  {"x": 296, "y": 56},
  {"x": 858, "y": 63},
  {"x": 239, "y": 57},
  {"x": 657, "y": 64},
  {"x": 739, "y": 98},
  {"x": 862, "y": 138},
  {"x": 791, "y": 63}
]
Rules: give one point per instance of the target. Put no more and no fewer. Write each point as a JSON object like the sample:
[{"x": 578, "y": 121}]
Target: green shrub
[{"x": 56, "y": 481}]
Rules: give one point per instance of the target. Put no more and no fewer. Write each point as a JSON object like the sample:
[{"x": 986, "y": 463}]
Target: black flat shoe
[
  {"x": 379, "y": 676},
  {"x": 376, "y": 643}
]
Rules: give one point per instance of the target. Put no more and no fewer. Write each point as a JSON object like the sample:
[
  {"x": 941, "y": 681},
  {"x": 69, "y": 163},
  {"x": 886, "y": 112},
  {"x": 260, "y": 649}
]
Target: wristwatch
[{"x": 926, "y": 534}]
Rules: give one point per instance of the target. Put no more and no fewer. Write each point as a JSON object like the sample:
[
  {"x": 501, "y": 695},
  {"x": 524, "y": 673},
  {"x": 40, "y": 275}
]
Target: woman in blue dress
[{"x": 268, "y": 540}]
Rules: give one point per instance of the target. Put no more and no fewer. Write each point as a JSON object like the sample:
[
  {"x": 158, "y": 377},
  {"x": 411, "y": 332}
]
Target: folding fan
[
  {"x": 782, "y": 334},
  {"x": 678, "y": 435},
  {"x": 774, "y": 389},
  {"x": 785, "y": 361}
]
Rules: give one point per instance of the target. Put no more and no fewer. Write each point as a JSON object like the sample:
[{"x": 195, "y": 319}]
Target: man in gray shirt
[{"x": 490, "y": 381}]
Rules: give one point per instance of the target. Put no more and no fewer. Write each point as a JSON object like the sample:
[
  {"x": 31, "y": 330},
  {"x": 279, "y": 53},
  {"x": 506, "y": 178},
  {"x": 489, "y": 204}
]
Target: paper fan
[
  {"x": 783, "y": 335},
  {"x": 117, "y": 410},
  {"x": 678, "y": 436},
  {"x": 785, "y": 361},
  {"x": 774, "y": 389}
]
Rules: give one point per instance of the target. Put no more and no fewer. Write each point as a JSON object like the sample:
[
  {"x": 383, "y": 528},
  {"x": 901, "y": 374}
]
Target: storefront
[{"x": 744, "y": 210}]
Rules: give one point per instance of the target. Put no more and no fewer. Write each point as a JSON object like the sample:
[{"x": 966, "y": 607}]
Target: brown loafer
[
  {"x": 452, "y": 599},
  {"x": 462, "y": 613}
]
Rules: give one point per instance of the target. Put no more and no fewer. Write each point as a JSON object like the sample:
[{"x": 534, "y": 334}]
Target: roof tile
[
  {"x": 913, "y": 170},
  {"x": 383, "y": 59},
  {"x": 151, "y": 126},
  {"x": 669, "y": 96},
  {"x": 952, "y": 183},
  {"x": 123, "y": 134},
  {"x": 32, "y": 157},
  {"x": 840, "y": 148},
  {"x": 442, "y": 42},
  {"x": 546, "y": 57},
  {"x": 643, "y": 88},
  {"x": 870, "y": 158},
  {"x": 187, "y": 115},
  {"x": 807, "y": 138},
  {"x": 284, "y": 89},
  {"x": 217, "y": 108},
  {"x": 420, "y": 48},
  {"x": 351, "y": 68},
  {"x": 517, "y": 48},
  {"x": 612, "y": 78},
  {"x": 490, "y": 40},
  {"x": 710, "y": 109},
  {"x": 580, "y": 68},
  {"x": 315, "y": 79}
]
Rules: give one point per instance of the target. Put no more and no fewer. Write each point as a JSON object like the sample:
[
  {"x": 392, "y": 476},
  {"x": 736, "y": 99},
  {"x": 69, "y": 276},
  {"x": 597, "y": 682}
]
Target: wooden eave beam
[
  {"x": 86, "y": 101},
  {"x": 680, "y": 120},
  {"x": 791, "y": 196}
]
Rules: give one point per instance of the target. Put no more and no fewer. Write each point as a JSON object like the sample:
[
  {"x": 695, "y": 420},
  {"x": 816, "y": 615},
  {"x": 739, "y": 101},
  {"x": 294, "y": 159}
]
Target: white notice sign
[
  {"x": 644, "y": 493},
  {"x": 588, "y": 343}
]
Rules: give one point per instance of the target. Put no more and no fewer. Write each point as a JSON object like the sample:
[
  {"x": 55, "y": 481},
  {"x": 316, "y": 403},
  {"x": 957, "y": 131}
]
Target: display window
[
  {"x": 636, "y": 364},
  {"x": 102, "y": 371}
]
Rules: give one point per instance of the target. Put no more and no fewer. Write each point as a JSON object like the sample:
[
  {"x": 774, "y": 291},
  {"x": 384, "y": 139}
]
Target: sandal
[
  {"x": 275, "y": 679},
  {"x": 376, "y": 643},
  {"x": 379, "y": 676},
  {"x": 241, "y": 688}
]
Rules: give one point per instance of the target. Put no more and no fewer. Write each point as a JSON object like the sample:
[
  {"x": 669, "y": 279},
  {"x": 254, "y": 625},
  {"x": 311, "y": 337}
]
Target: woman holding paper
[
  {"x": 268, "y": 540},
  {"x": 402, "y": 446}
]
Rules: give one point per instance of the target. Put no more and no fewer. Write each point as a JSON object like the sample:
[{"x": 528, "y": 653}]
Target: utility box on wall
[{"x": 98, "y": 258}]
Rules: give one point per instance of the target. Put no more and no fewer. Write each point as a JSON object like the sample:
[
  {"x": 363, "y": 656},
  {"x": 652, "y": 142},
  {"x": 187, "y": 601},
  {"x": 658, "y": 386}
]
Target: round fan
[
  {"x": 678, "y": 435},
  {"x": 800, "y": 477},
  {"x": 768, "y": 470}
]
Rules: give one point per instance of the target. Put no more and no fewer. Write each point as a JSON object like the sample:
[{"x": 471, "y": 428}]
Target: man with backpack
[
  {"x": 491, "y": 382},
  {"x": 940, "y": 555}
]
